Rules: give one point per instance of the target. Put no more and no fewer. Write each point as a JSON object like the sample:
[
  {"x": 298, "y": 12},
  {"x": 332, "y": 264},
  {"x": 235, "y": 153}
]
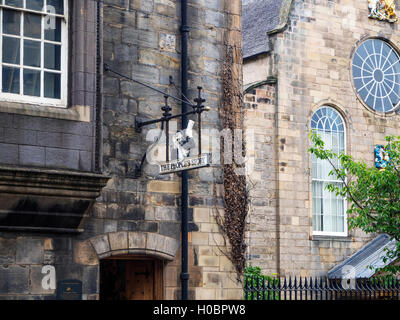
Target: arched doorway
[
  {"x": 131, "y": 263},
  {"x": 131, "y": 278}
]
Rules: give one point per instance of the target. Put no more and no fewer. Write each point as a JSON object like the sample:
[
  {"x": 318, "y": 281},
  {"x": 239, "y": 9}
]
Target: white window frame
[
  {"x": 42, "y": 101},
  {"x": 345, "y": 224}
]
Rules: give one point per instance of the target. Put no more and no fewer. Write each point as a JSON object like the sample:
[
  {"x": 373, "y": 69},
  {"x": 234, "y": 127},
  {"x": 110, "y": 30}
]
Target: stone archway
[
  {"x": 140, "y": 257},
  {"x": 138, "y": 243}
]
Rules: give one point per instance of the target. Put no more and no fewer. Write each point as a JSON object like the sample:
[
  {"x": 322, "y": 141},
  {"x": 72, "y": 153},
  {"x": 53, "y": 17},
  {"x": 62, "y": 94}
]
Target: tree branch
[{"x": 348, "y": 190}]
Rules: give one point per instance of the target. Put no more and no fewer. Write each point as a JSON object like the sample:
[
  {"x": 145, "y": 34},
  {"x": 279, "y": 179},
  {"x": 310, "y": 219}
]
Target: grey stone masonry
[{"x": 45, "y": 139}]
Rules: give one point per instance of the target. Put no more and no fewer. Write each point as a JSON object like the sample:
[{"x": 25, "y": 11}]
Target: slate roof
[
  {"x": 370, "y": 255},
  {"x": 259, "y": 18}
]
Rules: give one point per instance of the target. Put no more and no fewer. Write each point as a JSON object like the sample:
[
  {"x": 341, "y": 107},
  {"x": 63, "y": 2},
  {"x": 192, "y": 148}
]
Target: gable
[{"x": 261, "y": 18}]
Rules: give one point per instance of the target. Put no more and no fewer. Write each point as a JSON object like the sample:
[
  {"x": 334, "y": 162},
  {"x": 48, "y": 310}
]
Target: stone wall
[
  {"x": 262, "y": 233},
  {"x": 142, "y": 40},
  {"x": 38, "y": 138},
  {"x": 313, "y": 58},
  {"x": 59, "y": 137},
  {"x": 141, "y": 215}
]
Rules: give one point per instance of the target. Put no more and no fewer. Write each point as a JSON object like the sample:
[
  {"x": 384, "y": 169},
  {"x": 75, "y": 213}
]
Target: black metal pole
[
  {"x": 166, "y": 114},
  {"x": 199, "y": 109},
  {"x": 184, "y": 189},
  {"x": 140, "y": 124}
]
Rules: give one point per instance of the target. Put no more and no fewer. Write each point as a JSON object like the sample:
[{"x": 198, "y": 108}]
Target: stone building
[
  {"x": 324, "y": 65},
  {"x": 79, "y": 219}
]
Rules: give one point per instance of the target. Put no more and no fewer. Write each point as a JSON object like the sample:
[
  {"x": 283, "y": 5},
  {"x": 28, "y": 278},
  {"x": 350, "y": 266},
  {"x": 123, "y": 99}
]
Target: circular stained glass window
[{"x": 376, "y": 75}]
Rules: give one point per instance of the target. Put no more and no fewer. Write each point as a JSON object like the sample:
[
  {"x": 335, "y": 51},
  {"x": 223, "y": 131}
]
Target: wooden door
[
  {"x": 123, "y": 278},
  {"x": 140, "y": 280}
]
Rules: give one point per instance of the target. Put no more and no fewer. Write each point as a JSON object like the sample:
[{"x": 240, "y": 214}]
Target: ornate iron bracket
[{"x": 198, "y": 108}]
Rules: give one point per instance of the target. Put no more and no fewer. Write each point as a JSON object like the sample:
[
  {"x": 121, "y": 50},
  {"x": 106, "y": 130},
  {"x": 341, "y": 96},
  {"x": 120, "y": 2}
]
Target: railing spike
[
  {"x": 266, "y": 288},
  {"x": 263, "y": 289}
]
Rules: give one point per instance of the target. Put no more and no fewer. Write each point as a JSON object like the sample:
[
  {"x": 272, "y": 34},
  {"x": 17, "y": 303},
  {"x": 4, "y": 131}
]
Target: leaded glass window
[
  {"x": 376, "y": 75},
  {"x": 329, "y": 212},
  {"x": 33, "y": 55}
]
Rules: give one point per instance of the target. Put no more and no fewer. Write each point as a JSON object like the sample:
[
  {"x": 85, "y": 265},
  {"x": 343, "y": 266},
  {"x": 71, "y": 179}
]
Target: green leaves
[
  {"x": 256, "y": 280},
  {"x": 373, "y": 195}
]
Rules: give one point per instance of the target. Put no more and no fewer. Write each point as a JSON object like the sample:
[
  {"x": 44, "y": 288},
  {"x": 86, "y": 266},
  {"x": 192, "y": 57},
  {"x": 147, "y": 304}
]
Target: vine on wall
[{"x": 232, "y": 224}]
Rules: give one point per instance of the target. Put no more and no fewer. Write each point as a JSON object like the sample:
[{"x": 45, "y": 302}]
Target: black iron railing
[{"x": 266, "y": 288}]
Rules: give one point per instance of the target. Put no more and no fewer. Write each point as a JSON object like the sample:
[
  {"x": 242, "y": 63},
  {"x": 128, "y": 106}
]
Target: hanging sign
[
  {"x": 186, "y": 164},
  {"x": 182, "y": 143}
]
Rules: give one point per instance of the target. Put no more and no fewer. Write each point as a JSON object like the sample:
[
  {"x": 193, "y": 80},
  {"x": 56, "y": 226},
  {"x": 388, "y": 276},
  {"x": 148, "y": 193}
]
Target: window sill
[
  {"x": 75, "y": 113},
  {"x": 331, "y": 238}
]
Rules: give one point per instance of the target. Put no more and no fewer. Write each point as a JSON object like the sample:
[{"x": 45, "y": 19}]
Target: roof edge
[
  {"x": 256, "y": 55},
  {"x": 381, "y": 242},
  {"x": 284, "y": 13},
  {"x": 283, "y": 17},
  {"x": 251, "y": 86}
]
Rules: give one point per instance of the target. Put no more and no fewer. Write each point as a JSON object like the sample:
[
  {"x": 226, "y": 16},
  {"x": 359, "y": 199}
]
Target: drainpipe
[
  {"x": 98, "y": 143},
  {"x": 184, "y": 189}
]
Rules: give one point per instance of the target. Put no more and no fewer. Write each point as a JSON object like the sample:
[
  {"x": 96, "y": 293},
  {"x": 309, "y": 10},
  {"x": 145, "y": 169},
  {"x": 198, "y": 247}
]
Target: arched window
[{"x": 329, "y": 211}]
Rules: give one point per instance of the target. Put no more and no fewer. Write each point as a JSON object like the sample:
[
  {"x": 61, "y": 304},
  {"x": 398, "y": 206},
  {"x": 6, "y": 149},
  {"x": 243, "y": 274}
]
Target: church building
[{"x": 333, "y": 67}]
